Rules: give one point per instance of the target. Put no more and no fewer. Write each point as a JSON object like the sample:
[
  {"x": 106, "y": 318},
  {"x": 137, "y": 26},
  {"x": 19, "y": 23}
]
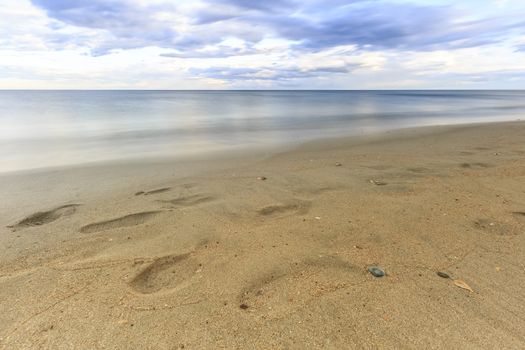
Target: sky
[{"x": 262, "y": 44}]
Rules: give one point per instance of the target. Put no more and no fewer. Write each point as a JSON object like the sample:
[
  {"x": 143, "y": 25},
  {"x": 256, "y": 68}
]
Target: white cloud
[{"x": 239, "y": 44}]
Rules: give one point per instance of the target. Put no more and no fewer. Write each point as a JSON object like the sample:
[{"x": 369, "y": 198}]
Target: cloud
[
  {"x": 218, "y": 51},
  {"x": 121, "y": 24},
  {"x": 391, "y": 26},
  {"x": 309, "y": 25},
  {"x": 277, "y": 74},
  {"x": 275, "y": 43},
  {"x": 264, "y": 6}
]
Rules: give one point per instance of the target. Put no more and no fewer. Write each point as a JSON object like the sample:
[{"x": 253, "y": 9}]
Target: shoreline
[
  {"x": 224, "y": 155},
  {"x": 122, "y": 174},
  {"x": 271, "y": 249}
]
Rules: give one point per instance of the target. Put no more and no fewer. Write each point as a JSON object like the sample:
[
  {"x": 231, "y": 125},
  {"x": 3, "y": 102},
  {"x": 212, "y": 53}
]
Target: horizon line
[{"x": 253, "y": 90}]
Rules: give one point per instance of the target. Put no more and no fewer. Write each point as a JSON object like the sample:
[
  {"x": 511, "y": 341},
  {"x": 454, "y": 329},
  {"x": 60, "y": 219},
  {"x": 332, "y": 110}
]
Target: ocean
[{"x": 55, "y": 128}]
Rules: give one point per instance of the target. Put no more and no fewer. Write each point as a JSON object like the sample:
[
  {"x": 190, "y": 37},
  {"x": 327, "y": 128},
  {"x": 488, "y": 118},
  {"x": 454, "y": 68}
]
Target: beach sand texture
[{"x": 271, "y": 251}]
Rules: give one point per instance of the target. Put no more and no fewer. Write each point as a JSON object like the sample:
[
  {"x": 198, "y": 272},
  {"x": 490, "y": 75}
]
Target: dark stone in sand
[
  {"x": 338, "y": 164},
  {"x": 443, "y": 274},
  {"x": 139, "y": 193},
  {"x": 376, "y": 271},
  {"x": 261, "y": 178},
  {"x": 243, "y": 306}
]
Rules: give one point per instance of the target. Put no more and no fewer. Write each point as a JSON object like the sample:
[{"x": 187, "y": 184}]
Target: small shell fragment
[
  {"x": 462, "y": 284},
  {"x": 378, "y": 183}
]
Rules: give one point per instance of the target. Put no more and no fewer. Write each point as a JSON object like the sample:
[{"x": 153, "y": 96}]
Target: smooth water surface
[{"x": 49, "y": 128}]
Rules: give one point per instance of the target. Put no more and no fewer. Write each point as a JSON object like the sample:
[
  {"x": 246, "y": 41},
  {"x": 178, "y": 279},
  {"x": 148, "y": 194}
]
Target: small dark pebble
[
  {"x": 262, "y": 178},
  {"x": 243, "y": 306},
  {"x": 338, "y": 164},
  {"x": 443, "y": 274},
  {"x": 139, "y": 193},
  {"x": 376, "y": 271}
]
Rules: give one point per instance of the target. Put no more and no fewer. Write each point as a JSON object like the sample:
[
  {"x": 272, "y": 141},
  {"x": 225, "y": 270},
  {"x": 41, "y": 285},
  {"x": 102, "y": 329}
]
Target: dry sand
[{"x": 204, "y": 255}]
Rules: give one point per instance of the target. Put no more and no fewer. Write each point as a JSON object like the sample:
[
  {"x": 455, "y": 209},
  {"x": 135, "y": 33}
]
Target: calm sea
[{"x": 49, "y": 128}]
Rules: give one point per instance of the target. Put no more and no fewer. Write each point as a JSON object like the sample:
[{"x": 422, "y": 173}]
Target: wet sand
[{"x": 271, "y": 250}]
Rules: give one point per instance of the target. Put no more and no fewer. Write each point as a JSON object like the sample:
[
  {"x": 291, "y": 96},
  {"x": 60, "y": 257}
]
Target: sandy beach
[{"x": 271, "y": 250}]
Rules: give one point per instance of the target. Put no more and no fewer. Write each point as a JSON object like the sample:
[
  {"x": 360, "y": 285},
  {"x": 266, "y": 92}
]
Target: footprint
[
  {"x": 496, "y": 227},
  {"x": 158, "y": 190},
  {"x": 45, "y": 217},
  {"x": 281, "y": 290},
  {"x": 316, "y": 191},
  {"x": 189, "y": 200},
  {"x": 164, "y": 273},
  {"x": 124, "y": 221},
  {"x": 379, "y": 167},
  {"x": 474, "y": 165},
  {"x": 300, "y": 207},
  {"x": 419, "y": 170}
]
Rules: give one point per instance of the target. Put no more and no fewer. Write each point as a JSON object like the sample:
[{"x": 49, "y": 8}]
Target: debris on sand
[
  {"x": 243, "y": 306},
  {"x": 378, "y": 183},
  {"x": 462, "y": 284},
  {"x": 443, "y": 274},
  {"x": 338, "y": 164},
  {"x": 376, "y": 271},
  {"x": 262, "y": 178}
]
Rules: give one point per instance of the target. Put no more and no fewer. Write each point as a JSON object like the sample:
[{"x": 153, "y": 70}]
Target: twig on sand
[
  {"x": 49, "y": 307},
  {"x": 164, "y": 307}
]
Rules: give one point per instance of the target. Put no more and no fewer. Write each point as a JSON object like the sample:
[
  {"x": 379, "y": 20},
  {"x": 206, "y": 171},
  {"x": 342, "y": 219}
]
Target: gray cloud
[
  {"x": 219, "y": 51},
  {"x": 123, "y": 24},
  {"x": 278, "y": 74},
  {"x": 391, "y": 26},
  {"x": 312, "y": 25}
]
